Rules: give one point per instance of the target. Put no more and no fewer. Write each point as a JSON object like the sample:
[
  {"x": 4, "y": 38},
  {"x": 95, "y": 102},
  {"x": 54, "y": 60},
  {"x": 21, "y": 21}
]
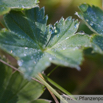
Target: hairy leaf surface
[
  {"x": 15, "y": 89},
  {"x": 93, "y": 17},
  {"x": 6, "y": 5},
  {"x": 36, "y": 45}
]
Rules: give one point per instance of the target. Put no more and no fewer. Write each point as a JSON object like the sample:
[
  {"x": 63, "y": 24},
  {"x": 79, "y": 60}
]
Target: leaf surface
[
  {"x": 7, "y": 5},
  {"x": 15, "y": 89},
  {"x": 37, "y": 45},
  {"x": 93, "y": 17}
]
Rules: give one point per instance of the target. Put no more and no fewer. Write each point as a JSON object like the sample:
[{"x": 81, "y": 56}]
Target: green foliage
[
  {"x": 92, "y": 16},
  {"x": 7, "y": 5},
  {"x": 15, "y": 89},
  {"x": 36, "y": 45}
]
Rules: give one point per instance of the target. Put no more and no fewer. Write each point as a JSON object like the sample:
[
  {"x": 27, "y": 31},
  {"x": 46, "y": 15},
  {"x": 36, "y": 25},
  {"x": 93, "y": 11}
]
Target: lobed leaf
[
  {"x": 15, "y": 89},
  {"x": 7, "y": 5},
  {"x": 93, "y": 17},
  {"x": 37, "y": 45}
]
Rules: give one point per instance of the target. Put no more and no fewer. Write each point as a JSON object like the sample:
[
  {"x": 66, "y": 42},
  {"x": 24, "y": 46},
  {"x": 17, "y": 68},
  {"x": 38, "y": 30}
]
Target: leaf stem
[
  {"x": 9, "y": 65},
  {"x": 51, "y": 89},
  {"x": 52, "y": 71},
  {"x": 86, "y": 81},
  {"x": 16, "y": 69},
  {"x": 59, "y": 87},
  {"x": 55, "y": 99}
]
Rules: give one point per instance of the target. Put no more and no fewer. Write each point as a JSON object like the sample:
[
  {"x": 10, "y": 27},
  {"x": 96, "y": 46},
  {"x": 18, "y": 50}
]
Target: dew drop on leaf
[
  {"x": 91, "y": 24},
  {"x": 26, "y": 47},
  {"x": 64, "y": 48},
  {"x": 56, "y": 31},
  {"x": 11, "y": 51},
  {"x": 22, "y": 6},
  {"x": 82, "y": 32},
  {"x": 87, "y": 20},
  {"x": 67, "y": 38},
  {"x": 24, "y": 54},
  {"x": 50, "y": 58},
  {"x": 19, "y": 62},
  {"x": 76, "y": 25}
]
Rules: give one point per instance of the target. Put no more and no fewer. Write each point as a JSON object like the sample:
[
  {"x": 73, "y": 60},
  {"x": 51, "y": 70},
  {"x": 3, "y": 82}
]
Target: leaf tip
[{"x": 83, "y": 7}]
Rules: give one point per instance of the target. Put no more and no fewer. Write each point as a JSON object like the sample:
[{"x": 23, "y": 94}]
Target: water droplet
[
  {"x": 26, "y": 47},
  {"x": 22, "y": 6},
  {"x": 54, "y": 27},
  {"x": 76, "y": 13},
  {"x": 64, "y": 48},
  {"x": 91, "y": 24},
  {"x": 50, "y": 58},
  {"x": 67, "y": 38},
  {"x": 82, "y": 32},
  {"x": 24, "y": 54},
  {"x": 56, "y": 31},
  {"x": 76, "y": 25},
  {"x": 11, "y": 51},
  {"x": 19, "y": 62},
  {"x": 87, "y": 20},
  {"x": 75, "y": 48}
]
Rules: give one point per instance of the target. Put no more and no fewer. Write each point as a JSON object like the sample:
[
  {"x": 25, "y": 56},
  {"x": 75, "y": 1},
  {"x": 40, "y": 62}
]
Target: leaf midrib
[
  {"x": 25, "y": 32},
  {"x": 62, "y": 36}
]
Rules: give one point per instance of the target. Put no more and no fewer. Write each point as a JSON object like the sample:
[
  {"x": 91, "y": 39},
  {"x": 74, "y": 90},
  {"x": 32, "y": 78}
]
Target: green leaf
[
  {"x": 4, "y": 9},
  {"x": 15, "y": 89},
  {"x": 36, "y": 45},
  {"x": 97, "y": 43},
  {"x": 92, "y": 16},
  {"x": 7, "y": 5}
]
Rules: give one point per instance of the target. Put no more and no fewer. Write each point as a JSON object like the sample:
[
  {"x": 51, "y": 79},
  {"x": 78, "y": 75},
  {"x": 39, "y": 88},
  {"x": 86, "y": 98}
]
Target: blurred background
[{"x": 90, "y": 79}]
